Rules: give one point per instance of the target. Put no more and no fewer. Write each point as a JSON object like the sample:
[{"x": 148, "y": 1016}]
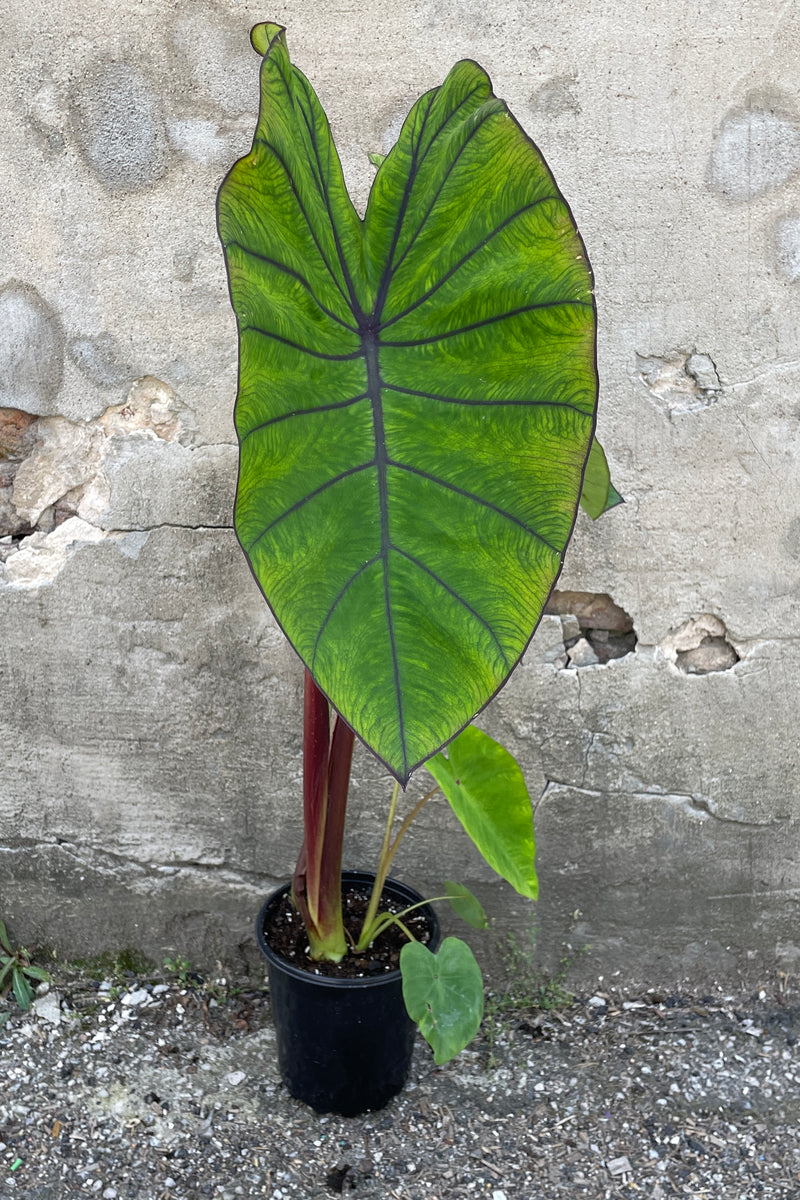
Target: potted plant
[{"x": 416, "y": 414}]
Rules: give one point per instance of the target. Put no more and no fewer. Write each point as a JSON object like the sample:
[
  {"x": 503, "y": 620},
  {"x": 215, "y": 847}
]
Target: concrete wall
[{"x": 150, "y": 720}]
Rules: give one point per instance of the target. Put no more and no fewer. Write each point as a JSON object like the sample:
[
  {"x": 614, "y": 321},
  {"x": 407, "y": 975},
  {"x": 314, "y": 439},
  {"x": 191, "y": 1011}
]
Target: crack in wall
[
  {"x": 698, "y": 807},
  {"x": 108, "y": 861}
]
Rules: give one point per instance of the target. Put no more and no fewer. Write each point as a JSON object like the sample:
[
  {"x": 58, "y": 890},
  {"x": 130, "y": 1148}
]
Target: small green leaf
[
  {"x": 37, "y": 973},
  {"x": 375, "y": 159},
  {"x": 22, "y": 989},
  {"x": 487, "y": 792},
  {"x": 443, "y": 993},
  {"x": 4, "y": 1016},
  {"x": 4, "y": 942},
  {"x": 8, "y": 964},
  {"x": 614, "y": 497},
  {"x": 599, "y": 493},
  {"x": 468, "y": 907}
]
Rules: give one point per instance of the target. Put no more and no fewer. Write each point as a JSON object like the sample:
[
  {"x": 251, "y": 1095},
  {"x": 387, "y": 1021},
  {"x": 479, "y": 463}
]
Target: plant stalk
[
  {"x": 317, "y": 883},
  {"x": 388, "y": 851}
]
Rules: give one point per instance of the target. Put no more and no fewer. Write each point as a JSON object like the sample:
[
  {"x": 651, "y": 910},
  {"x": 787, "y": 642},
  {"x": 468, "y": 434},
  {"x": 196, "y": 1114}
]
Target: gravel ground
[{"x": 169, "y": 1091}]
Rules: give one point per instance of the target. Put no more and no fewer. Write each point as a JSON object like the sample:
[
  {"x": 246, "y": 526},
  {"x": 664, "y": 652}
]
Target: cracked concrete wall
[{"x": 151, "y": 710}]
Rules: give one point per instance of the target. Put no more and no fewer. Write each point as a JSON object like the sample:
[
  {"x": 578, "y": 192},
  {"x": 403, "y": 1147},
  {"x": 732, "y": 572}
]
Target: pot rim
[{"x": 370, "y": 981}]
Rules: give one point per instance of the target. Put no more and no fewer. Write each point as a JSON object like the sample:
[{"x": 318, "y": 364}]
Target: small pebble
[{"x": 134, "y": 999}]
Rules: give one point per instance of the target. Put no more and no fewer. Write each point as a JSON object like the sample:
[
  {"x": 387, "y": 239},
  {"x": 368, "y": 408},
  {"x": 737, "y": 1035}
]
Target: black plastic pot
[{"x": 344, "y": 1045}]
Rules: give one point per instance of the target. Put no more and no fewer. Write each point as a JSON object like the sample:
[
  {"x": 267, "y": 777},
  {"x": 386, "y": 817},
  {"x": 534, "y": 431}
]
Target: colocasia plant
[{"x": 416, "y": 414}]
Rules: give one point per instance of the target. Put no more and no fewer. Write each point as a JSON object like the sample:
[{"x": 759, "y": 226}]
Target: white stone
[
  {"x": 48, "y": 1007},
  {"x": 136, "y": 998},
  {"x": 581, "y": 654},
  {"x": 67, "y": 455}
]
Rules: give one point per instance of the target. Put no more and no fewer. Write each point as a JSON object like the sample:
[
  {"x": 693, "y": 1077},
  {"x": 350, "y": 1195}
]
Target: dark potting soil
[{"x": 286, "y": 935}]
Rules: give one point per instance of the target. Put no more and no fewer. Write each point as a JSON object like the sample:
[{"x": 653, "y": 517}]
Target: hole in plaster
[
  {"x": 713, "y": 654},
  {"x": 701, "y": 646},
  {"x": 686, "y": 382},
  {"x": 595, "y": 629},
  {"x": 54, "y": 472}
]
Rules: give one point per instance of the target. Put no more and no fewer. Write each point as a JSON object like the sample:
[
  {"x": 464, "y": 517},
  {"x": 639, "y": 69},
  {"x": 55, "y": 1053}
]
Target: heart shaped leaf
[
  {"x": 416, "y": 399},
  {"x": 443, "y": 993}
]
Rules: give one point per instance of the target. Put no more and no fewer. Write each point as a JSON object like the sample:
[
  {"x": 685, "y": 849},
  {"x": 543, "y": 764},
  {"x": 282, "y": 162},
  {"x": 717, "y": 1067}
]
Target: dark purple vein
[
  {"x": 514, "y": 312},
  {"x": 401, "y": 212},
  {"x": 267, "y": 333},
  {"x": 303, "y": 412},
  {"x": 465, "y": 259},
  {"x": 331, "y": 610},
  {"x": 370, "y": 346},
  {"x": 305, "y": 499},
  {"x": 490, "y": 403},
  {"x": 268, "y": 146},
  {"x": 279, "y": 266},
  {"x": 394, "y": 268},
  {"x": 323, "y": 186},
  {"x": 411, "y": 179},
  {"x": 441, "y": 128},
  {"x": 456, "y": 596},
  {"x": 453, "y": 487}
]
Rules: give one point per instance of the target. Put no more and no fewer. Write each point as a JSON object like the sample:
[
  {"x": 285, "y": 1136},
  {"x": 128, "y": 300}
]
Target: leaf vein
[
  {"x": 303, "y": 412},
  {"x": 465, "y": 259},
  {"x": 274, "y": 262},
  {"x": 490, "y": 403},
  {"x": 478, "y": 126},
  {"x": 309, "y": 496},
  {"x": 457, "y": 596},
  {"x": 296, "y": 345},
  {"x": 514, "y": 312},
  {"x": 336, "y": 602},
  {"x": 469, "y": 495},
  {"x": 268, "y": 146}
]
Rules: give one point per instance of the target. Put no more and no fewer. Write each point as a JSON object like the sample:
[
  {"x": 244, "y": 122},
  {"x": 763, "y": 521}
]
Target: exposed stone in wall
[
  {"x": 594, "y": 628},
  {"x": 684, "y": 383},
  {"x": 17, "y": 441},
  {"x": 64, "y": 483},
  {"x": 66, "y": 456},
  {"x": 700, "y": 646}
]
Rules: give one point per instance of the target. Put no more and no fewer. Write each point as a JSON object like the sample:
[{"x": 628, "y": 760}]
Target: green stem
[
  {"x": 388, "y": 851},
  {"x": 380, "y": 876},
  {"x": 385, "y": 919}
]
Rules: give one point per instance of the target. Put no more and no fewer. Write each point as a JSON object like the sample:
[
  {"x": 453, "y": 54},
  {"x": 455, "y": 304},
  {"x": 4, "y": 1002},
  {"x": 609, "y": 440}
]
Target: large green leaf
[
  {"x": 416, "y": 399},
  {"x": 487, "y": 792}
]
